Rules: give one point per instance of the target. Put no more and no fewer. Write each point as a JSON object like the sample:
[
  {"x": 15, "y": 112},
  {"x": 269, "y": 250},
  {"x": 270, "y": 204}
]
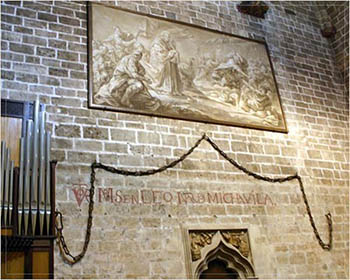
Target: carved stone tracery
[
  {"x": 198, "y": 241},
  {"x": 230, "y": 246},
  {"x": 238, "y": 240}
]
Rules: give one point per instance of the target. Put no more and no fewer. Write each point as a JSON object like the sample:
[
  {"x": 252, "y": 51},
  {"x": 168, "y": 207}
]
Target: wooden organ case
[{"x": 27, "y": 192}]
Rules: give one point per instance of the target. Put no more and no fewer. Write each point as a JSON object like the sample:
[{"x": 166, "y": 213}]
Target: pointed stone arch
[
  {"x": 229, "y": 246},
  {"x": 229, "y": 255}
]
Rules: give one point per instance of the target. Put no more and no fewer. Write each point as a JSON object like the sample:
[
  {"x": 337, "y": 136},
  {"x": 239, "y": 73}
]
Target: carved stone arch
[
  {"x": 229, "y": 246},
  {"x": 229, "y": 255}
]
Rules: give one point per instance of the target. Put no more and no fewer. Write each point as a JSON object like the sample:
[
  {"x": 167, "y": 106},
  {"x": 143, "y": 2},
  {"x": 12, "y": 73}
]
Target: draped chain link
[
  {"x": 324, "y": 245},
  {"x": 70, "y": 259}
]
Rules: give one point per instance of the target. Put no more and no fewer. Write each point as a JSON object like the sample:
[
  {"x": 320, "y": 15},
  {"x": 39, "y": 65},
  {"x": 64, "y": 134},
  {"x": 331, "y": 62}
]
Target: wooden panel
[
  {"x": 12, "y": 265},
  {"x": 11, "y": 129},
  {"x": 6, "y": 231},
  {"x": 41, "y": 264}
]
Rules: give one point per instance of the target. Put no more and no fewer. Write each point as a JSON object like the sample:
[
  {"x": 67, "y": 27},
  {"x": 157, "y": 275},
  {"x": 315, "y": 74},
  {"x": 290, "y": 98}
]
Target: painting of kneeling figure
[{"x": 147, "y": 65}]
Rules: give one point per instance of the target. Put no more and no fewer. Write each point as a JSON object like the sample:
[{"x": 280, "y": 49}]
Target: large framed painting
[{"x": 149, "y": 65}]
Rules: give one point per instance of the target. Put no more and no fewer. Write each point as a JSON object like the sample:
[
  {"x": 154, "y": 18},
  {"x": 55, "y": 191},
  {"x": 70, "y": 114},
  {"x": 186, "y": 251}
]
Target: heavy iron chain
[
  {"x": 70, "y": 259},
  {"x": 61, "y": 241},
  {"x": 324, "y": 245}
]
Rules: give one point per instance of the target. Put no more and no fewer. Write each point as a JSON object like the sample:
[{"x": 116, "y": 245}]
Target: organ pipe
[{"x": 34, "y": 182}]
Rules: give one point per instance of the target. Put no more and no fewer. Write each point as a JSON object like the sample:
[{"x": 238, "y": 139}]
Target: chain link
[
  {"x": 324, "y": 245},
  {"x": 70, "y": 259}
]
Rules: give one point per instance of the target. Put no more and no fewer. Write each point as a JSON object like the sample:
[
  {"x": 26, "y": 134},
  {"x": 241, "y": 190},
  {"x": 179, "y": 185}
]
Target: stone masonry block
[
  {"x": 58, "y": 155},
  {"x": 269, "y": 149},
  {"x": 58, "y": 72},
  {"x": 57, "y": 44},
  {"x": 71, "y": 102},
  {"x": 286, "y": 151},
  {"x": 116, "y": 147},
  {"x": 49, "y": 81},
  {"x": 10, "y": 36},
  {"x": 5, "y": 65},
  {"x": 82, "y": 57},
  {"x": 70, "y": 56},
  {"x": 44, "y": 33},
  {"x": 6, "y": 27},
  {"x": 88, "y": 145},
  {"x": 21, "y": 48},
  {"x": 73, "y": 83},
  {"x": 80, "y": 31},
  {"x": 72, "y": 65},
  {"x": 11, "y": 19},
  {"x": 80, "y": 15},
  {"x": 4, "y": 46},
  {"x": 83, "y": 157},
  {"x": 14, "y": 85},
  {"x": 68, "y": 131},
  {"x": 69, "y": 21},
  {"x": 7, "y": 75},
  {"x": 297, "y": 258},
  {"x": 148, "y": 138},
  {"x": 314, "y": 154},
  {"x": 7, "y": 10},
  {"x": 35, "y": 24},
  {"x": 169, "y": 140},
  {"x": 21, "y": 29},
  {"x": 77, "y": 47},
  {"x": 41, "y": 89},
  {"x": 51, "y": 62},
  {"x": 37, "y": 6},
  {"x": 25, "y": 13},
  {"x": 58, "y": 143},
  {"x": 123, "y": 135},
  {"x": 63, "y": 11},
  {"x": 33, "y": 40},
  {"x": 29, "y": 78},
  {"x": 255, "y": 148},
  {"x": 67, "y": 37},
  {"x": 47, "y": 17},
  {"x": 60, "y": 28},
  {"x": 46, "y": 52},
  {"x": 78, "y": 75},
  {"x": 270, "y": 169},
  {"x": 95, "y": 133},
  {"x": 12, "y": 56}
]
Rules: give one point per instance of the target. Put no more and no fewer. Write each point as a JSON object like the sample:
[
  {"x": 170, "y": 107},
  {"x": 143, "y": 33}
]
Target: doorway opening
[
  {"x": 219, "y": 254},
  {"x": 217, "y": 269}
]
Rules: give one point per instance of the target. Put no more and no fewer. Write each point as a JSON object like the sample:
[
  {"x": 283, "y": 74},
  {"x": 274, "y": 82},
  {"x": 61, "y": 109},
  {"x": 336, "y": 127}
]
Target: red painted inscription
[{"x": 109, "y": 195}]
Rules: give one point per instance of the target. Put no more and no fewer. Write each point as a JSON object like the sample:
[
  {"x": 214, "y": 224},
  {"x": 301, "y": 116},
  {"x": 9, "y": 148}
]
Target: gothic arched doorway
[
  {"x": 217, "y": 269},
  {"x": 219, "y": 254}
]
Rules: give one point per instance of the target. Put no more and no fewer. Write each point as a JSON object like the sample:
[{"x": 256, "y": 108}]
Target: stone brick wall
[
  {"x": 339, "y": 15},
  {"x": 44, "y": 53}
]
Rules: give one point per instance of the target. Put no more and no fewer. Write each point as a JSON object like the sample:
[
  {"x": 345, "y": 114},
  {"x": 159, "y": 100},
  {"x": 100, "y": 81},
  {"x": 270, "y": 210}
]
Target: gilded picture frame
[{"x": 154, "y": 66}]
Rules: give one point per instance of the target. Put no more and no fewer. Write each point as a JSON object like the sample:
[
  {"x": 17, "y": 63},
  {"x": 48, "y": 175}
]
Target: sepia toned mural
[{"x": 147, "y": 65}]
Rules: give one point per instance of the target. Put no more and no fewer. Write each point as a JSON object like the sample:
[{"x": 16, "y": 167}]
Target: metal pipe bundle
[
  {"x": 34, "y": 201},
  {"x": 47, "y": 208},
  {"x": 3, "y": 156},
  {"x": 41, "y": 176},
  {"x": 33, "y": 207},
  {"x": 26, "y": 185},
  {"x": 20, "y": 187},
  {"x": 10, "y": 195},
  {"x": 6, "y": 186}
]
